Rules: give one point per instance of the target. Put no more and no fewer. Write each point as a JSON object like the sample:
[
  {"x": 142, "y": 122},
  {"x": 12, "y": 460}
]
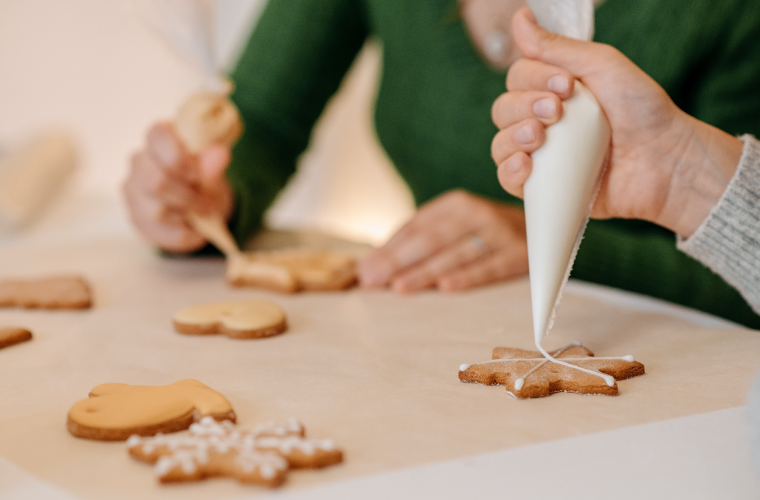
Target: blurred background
[{"x": 88, "y": 68}]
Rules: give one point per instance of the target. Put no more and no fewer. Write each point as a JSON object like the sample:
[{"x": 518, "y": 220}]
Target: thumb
[
  {"x": 534, "y": 42},
  {"x": 213, "y": 162}
]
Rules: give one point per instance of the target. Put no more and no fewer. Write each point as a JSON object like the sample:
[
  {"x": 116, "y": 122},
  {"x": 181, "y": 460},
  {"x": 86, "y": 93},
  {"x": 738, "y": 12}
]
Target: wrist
[{"x": 700, "y": 174}]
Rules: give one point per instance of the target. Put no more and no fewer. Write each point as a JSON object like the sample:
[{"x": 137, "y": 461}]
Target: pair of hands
[
  {"x": 454, "y": 242},
  {"x": 665, "y": 167}
]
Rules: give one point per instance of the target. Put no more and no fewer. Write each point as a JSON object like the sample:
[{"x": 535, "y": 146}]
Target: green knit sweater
[{"x": 433, "y": 116}]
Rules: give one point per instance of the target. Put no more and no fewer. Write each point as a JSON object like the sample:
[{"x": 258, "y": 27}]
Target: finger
[
  {"x": 212, "y": 164},
  {"x": 165, "y": 147},
  {"x": 497, "y": 267},
  {"x": 526, "y": 136},
  {"x": 162, "y": 226},
  {"x": 527, "y": 74},
  {"x": 513, "y": 172},
  {"x": 425, "y": 274},
  {"x": 174, "y": 238},
  {"x": 173, "y": 191},
  {"x": 512, "y": 107},
  {"x": 576, "y": 56},
  {"x": 436, "y": 225}
]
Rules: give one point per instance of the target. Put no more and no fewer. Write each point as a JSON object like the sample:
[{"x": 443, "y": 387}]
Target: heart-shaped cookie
[
  {"x": 114, "y": 412},
  {"x": 242, "y": 319}
]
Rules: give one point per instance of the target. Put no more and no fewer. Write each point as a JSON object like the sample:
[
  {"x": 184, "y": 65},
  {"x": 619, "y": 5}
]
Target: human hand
[
  {"x": 665, "y": 166},
  {"x": 454, "y": 242},
  {"x": 165, "y": 183}
]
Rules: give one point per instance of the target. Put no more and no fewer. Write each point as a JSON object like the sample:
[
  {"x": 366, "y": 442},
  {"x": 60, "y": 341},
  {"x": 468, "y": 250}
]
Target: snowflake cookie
[
  {"x": 528, "y": 374},
  {"x": 260, "y": 456}
]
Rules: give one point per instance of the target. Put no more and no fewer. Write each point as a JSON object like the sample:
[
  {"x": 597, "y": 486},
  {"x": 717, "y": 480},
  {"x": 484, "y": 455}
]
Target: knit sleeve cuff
[{"x": 728, "y": 241}]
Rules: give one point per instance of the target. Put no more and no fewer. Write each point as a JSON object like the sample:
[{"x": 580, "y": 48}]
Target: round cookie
[
  {"x": 241, "y": 319},
  {"x": 114, "y": 412}
]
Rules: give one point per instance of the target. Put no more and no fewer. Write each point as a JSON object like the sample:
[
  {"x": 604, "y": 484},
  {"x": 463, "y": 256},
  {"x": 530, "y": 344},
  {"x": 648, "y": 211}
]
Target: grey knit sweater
[{"x": 728, "y": 241}]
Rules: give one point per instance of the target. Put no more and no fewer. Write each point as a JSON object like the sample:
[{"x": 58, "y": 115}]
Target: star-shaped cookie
[{"x": 528, "y": 374}]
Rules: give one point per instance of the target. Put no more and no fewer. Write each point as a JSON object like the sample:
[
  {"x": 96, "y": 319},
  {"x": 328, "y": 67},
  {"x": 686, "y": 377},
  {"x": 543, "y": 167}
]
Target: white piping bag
[
  {"x": 206, "y": 117},
  {"x": 566, "y": 174}
]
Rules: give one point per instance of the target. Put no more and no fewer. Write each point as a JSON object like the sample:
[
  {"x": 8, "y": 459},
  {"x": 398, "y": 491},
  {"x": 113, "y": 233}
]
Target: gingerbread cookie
[
  {"x": 291, "y": 271},
  {"x": 262, "y": 456},
  {"x": 11, "y": 336},
  {"x": 114, "y": 412},
  {"x": 65, "y": 292},
  {"x": 528, "y": 374},
  {"x": 242, "y": 319}
]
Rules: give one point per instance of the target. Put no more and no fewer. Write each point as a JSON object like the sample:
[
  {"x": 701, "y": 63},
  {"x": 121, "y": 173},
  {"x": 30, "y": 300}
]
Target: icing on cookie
[
  {"x": 265, "y": 450},
  {"x": 610, "y": 381},
  {"x": 292, "y": 270},
  {"x": 520, "y": 382},
  {"x": 235, "y": 315},
  {"x": 122, "y": 406}
]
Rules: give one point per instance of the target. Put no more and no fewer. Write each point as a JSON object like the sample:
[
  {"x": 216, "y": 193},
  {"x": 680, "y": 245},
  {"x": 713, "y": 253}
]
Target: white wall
[{"x": 88, "y": 66}]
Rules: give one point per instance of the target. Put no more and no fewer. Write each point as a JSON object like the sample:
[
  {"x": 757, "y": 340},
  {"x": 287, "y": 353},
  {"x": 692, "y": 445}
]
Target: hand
[
  {"x": 453, "y": 242},
  {"x": 165, "y": 183},
  {"x": 665, "y": 166}
]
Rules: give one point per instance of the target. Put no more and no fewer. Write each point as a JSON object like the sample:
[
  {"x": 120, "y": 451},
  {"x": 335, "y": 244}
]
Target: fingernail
[
  {"x": 513, "y": 165},
  {"x": 545, "y": 108},
  {"x": 525, "y": 135},
  {"x": 559, "y": 84}
]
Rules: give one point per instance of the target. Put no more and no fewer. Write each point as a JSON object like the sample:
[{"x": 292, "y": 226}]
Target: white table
[{"x": 700, "y": 456}]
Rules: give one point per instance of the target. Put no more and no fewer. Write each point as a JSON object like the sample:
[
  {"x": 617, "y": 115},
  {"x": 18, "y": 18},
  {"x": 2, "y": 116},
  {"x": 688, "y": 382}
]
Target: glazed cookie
[
  {"x": 528, "y": 374},
  {"x": 219, "y": 449},
  {"x": 65, "y": 292},
  {"x": 11, "y": 336},
  {"x": 291, "y": 271},
  {"x": 242, "y": 319},
  {"x": 114, "y": 412}
]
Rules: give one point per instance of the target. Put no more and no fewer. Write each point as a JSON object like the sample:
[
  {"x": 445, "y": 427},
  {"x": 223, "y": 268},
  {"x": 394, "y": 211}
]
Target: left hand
[{"x": 454, "y": 242}]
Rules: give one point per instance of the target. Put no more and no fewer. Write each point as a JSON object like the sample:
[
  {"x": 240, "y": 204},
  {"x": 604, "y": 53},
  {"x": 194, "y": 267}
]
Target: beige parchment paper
[{"x": 372, "y": 370}]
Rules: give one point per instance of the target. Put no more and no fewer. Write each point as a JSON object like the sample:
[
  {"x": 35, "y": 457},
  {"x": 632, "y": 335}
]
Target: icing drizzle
[
  {"x": 262, "y": 449},
  {"x": 551, "y": 358}
]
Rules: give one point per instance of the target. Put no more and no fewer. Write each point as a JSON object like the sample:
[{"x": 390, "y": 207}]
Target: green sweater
[{"x": 433, "y": 116}]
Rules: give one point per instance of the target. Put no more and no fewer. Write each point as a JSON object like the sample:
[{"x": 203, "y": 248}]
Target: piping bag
[
  {"x": 566, "y": 175},
  {"x": 208, "y": 116}
]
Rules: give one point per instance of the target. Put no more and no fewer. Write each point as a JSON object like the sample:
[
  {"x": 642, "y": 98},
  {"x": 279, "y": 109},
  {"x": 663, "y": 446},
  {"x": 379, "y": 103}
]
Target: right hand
[
  {"x": 165, "y": 183},
  {"x": 665, "y": 166}
]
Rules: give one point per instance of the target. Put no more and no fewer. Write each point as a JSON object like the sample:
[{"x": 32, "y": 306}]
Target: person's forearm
[{"x": 705, "y": 164}]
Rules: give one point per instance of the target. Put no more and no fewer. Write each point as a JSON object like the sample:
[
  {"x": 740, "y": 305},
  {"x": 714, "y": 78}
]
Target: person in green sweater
[{"x": 444, "y": 65}]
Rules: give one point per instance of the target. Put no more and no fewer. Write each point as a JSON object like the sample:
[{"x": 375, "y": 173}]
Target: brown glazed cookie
[
  {"x": 63, "y": 292},
  {"x": 290, "y": 271},
  {"x": 528, "y": 374},
  {"x": 114, "y": 412},
  {"x": 242, "y": 319},
  {"x": 260, "y": 456},
  {"x": 11, "y": 336}
]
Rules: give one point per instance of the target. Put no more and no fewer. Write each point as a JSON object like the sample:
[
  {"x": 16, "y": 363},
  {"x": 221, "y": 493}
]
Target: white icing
[
  {"x": 259, "y": 451},
  {"x": 608, "y": 379},
  {"x": 520, "y": 382},
  {"x": 133, "y": 441}
]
